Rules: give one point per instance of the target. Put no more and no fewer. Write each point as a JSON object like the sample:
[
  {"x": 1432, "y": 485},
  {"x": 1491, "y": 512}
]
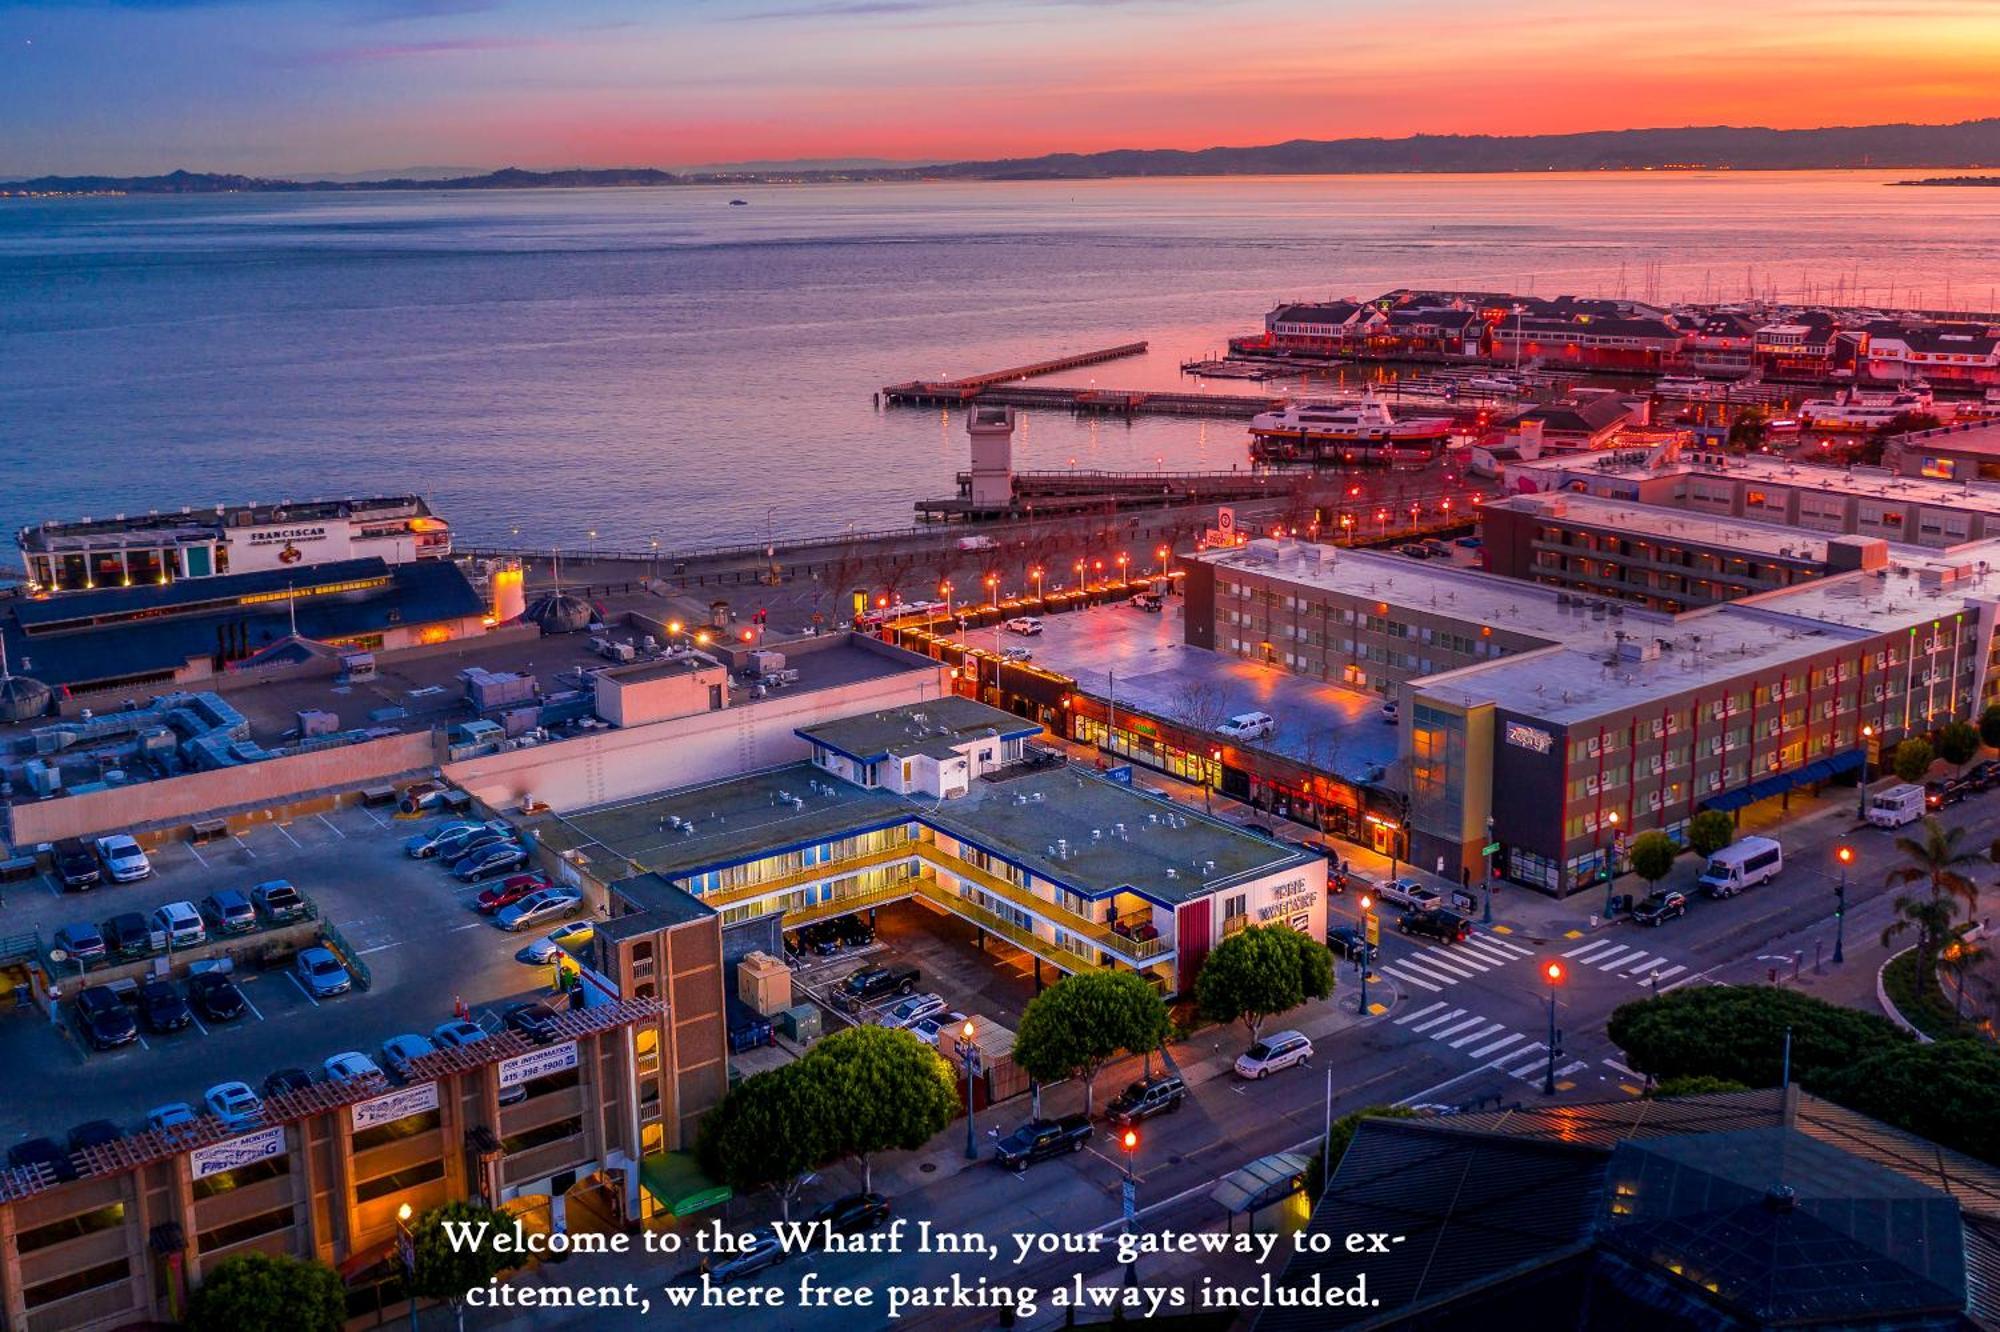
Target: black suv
[
  {"x": 1039, "y": 1139},
  {"x": 76, "y": 865},
  {"x": 1350, "y": 943},
  {"x": 1436, "y": 923},
  {"x": 1148, "y": 1097},
  {"x": 42, "y": 1152},
  {"x": 535, "y": 1020},
  {"x": 875, "y": 983},
  {"x": 854, "y": 1213},
  {"x": 107, "y": 1023},
  {"x": 853, "y": 931},
  {"x": 162, "y": 1006},
  {"x": 1947, "y": 791},
  {"x": 1982, "y": 776},
  {"x": 128, "y": 935},
  {"x": 1660, "y": 907},
  {"x": 215, "y": 996}
]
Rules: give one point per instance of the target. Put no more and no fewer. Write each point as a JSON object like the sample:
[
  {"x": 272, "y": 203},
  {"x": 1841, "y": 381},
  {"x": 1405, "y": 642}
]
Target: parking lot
[
  {"x": 995, "y": 984},
  {"x": 408, "y": 921}
]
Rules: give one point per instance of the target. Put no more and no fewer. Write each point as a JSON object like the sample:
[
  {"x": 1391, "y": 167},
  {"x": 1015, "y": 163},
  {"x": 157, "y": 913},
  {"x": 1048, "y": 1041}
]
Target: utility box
[
  {"x": 801, "y": 1024},
  {"x": 764, "y": 983},
  {"x": 766, "y": 662},
  {"x": 314, "y": 721}
]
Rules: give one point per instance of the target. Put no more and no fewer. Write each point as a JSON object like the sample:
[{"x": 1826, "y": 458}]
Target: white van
[
  {"x": 1741, "y": 865},
  {"x": 1248, "y": 726},
  {"x": 1894, "y": 806}
]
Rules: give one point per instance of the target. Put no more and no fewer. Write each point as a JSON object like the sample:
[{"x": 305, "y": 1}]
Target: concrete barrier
[{"x": 1888, "y": 1007}]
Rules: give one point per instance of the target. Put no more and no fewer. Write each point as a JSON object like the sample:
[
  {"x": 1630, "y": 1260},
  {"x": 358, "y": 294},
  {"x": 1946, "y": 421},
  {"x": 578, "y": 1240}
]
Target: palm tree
[
  {"x": 1959, "y": 956},
  {"x": 1930, "y": 918},
  {"x": 1937, "y": 860}
]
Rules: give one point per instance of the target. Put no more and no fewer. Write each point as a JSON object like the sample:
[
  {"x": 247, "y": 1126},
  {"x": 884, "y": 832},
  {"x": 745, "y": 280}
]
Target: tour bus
[
  {"x": 1894, "y": 806},
  {"x": 1741, "y": 865}
]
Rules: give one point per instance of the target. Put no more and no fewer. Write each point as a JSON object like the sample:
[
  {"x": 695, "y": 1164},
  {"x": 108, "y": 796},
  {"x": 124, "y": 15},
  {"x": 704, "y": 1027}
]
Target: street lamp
[
  {"x": 1611, "y": 866},
  {"x": 968, "y": 1053},
  {"x": 1553, "y": 971},
  {"x": 1078, "y": 566},
  {"x": 1367, "y": 921},
  {"x": 1163, "y": 552},
  {"x": 993, "y": 589},
  {"x": 1129, "y": 1142},
  {"x": 944, "y": 590},
  {"x": 1845, "y": 854},
  {"x": 406, "y": 1250},
  {"x": 1123, "y": 560},
  {"x": 1861, "y": 798},
  {"x": 1036, "y": 574},
  {"x": 1486, "y": 917}
]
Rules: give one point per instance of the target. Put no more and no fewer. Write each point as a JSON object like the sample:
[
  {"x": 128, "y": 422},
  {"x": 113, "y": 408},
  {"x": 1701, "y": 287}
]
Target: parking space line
[
  {"x": 54, "y": 891},
  {"x": 378, "y": 948},
  {"x": 469, "y": 925},
  {"x": 193, "y": 851},
  {"x": 288, "y": 835},
  {"x": 301, "y": 989},
  {"x": 330, "y": 825},
  {"x": 373, "y": 815},
  {"x": 142, "y": 1041},
  {"x": 252, "y": 1007},
  {"x": 198, "y": 1026},
  {"x": 245, "y": 845}
]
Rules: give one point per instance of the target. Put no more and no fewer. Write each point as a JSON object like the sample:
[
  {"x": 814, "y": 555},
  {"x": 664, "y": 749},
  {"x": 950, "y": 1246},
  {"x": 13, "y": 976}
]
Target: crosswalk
[
  {"x": 1634, "y": 964},
  {"x": 1434, "y": 967},
  {"x": 1493, "y": 1043}
]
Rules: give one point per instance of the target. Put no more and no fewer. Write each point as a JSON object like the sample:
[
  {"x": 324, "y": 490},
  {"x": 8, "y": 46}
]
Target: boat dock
[
  {"x": 927, "y": 392},
  {"x": 1057, "y": 492}
]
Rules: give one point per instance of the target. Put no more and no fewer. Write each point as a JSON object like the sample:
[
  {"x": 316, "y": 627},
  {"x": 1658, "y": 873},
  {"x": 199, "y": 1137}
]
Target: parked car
[
  {"x": 854, "y": 1213},
  {"x": 128, "y": 935},
  {"x": 1468, "y": 543},
  {"x": 229, "y": 911},
  {"x": 821, "y": 937},
  {"x": 83, "y": 943},
  {"x": 853, "y": 931},
  {"x": 170, "y": 1117},
  {"x": 763, "y": 1250},
  {"x": 536, "y": 907},
  {"x": 1660, "y": 906},
  {"x": 1983, "y": 775},
  {"x": 161, "y": 1006},
  {"x": 1350, "y": 943},
  {"x": 181, "y": 923},
  {"x": 1410, "y": 894},
  {"x": 424, "y": 845},
  {"x": 352, "y": 1066},
  {"x": 287, "y": 1080},
  {"x": 123, "y": 859},
  {"x": 562, "y": 939},
  {"x": 1147, "y": 601},
  {"x": 534, "y": 1019},
  {"x": 457, "y": 1034},
  {"x": 277, "y": 901},
  {"x": 398, "y": 1051},
  {"x": 1248, "y": 726},
  {"x": 322, "y": 973},
  {"x": 488, "y": 861},
  {"x": 1039, "y": 1139},
  {"x": 234, "y": 1104},
  {"x": 875, "y": 983},
  {"x": 44, "y": 1152},
  {"x": 1436, "y": 923},
  {"x": 106, "y": 1022},
  {"x": 1276, "y": 1052},
  {"x": 458, "y": 845},
  {"x": 1947, "y": 791},
  {"x": 905, "y": 1011},
  {"x": 94, "y": 1133},
  {"x": 418, "y": 796},
  {"x": 929, "y": 1029},
  {"x": 76, "y": 866},
  {"x": 1026, "y": 625},
  {"x": 509, "y": 891},
  {"x": 1414, "y": 551},
  {"x": 1161, "y": 1095},
  {"x": 215, "y": 996}
]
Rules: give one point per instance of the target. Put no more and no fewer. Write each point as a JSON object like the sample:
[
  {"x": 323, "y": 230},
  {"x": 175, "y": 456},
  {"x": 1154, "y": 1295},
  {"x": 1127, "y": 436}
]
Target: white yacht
[{"x": 1855, "y": 409}]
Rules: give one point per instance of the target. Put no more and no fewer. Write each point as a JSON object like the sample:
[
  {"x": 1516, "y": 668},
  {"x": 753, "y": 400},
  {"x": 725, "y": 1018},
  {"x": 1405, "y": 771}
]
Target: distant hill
[
  {"x": 1951, "y": 180},
  {"x": 206, "y": 182}
]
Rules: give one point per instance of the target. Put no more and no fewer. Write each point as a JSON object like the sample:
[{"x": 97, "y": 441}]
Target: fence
[{"x": 331, "y": 936}]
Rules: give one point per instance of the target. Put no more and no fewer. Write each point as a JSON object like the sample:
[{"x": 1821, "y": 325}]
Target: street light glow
[
  {"x": 1554, "y": 971},
  {"x": 1846, "y": 855},
  {"x": 1131, "y": 1140}
]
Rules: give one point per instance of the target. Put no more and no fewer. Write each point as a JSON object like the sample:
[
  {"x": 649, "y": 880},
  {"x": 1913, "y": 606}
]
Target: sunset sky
[{"x": 286, "y": 86}]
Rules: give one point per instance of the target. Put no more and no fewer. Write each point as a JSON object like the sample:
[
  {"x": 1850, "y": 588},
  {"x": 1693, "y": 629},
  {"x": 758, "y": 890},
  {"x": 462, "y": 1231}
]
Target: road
[{"x": 1446, "y": 1026}]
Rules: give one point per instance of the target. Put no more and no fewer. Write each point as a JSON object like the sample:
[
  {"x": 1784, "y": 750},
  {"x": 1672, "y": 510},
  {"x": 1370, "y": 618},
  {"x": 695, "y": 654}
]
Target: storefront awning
[
  {"x": 678, "y": 1185},
  {"x": 1819, "y": 770}
]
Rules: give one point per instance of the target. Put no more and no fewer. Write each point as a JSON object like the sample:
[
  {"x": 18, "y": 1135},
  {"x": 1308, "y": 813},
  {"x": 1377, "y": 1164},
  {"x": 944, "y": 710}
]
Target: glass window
[
  {"x": 71, "y": 1227},
  {"x": 91, "y": 1278},
  {"x": 384, "y": 1185},
  {"x": 248, "y": 1228}
]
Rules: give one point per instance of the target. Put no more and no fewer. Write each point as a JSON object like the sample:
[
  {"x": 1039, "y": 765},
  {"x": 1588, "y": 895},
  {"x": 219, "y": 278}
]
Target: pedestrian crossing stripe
[
  {"x": 1438, "y": 959},
  {"x": 1499, "y": 1044},
  {"x": 1432, "y": 1022},
  {"x": 1455, "y": 1028},
  {"x": 1425, "y": 967},
  {"x": 1412, "y": 980},
  {"x": 1463, "y": 1041},
  {"x": 1427, "y": 1008}
]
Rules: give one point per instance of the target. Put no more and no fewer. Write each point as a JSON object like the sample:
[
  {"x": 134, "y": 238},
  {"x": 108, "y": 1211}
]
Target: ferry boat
[
  {"x": 1501, "y": 385},
  {"x": 1363, "y": 431},
  {"x": 1688, "y": 386},
  {"x": 1854, "y": 409}
]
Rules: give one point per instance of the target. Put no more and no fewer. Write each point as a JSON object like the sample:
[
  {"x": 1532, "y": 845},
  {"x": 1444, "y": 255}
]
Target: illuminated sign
[
  {"x": 398, "y": 1104},
  {"x": 1529, "y": 737},
  {"x": 1293, "y": 899},
  {"x": 537, "y": 1064},
  {"x": 243, "y": 1151},
  {"x": 272, "y": 536}
]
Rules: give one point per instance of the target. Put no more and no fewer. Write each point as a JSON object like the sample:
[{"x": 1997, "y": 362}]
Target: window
[
  {"x": 409, "y": 1126},
  {"x": 541, "y": 1135},
  {"x": 552, "y": 1082},
  {"x": 384, "y": 1185},
  {"x": 249, "y": 1227},
  {"x": 243, "y": 1176},
  {"x": 70, "y": 1227},
  {"x": 91, "y": 1278}
]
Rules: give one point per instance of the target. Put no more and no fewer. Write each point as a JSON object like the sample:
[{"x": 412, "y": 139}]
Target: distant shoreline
[{"x": 1951, "y": 181}]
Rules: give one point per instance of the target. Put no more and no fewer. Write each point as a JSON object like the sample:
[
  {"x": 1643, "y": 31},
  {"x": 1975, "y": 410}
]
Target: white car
[
  {"x": 234, "y": 1104},
  {"x": 928, "y": 1029},
  {"x": 124, "y": 860},
  {"x": 1026, "y": 625},
  {"x": 352, "y": 1066},
  {"x": 181, "y": 923},
  {"x": 1248, "y": 726},
  {"x": 905, "y": 1011},
  {"x": 1281, "y": 1050}
]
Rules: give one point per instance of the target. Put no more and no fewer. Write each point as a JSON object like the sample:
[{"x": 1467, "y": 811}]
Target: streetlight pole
[
  {"x": 1611, "y": 866},
  {"x": 1846, "y": 854},
  {"x": 1367, "y": 951},
  {"x": 968, "y": 1053},
  {"x": 1163, "y": 553},
  {"x": 1036, "y": 574},
  {"x": 1486, "y": 917},
  {"x": 1554, "y": 971},
  {"x": 1861, "y": 797},
  {"x": 406, "y": 1248},
  {"x": 1130, "y": 1142}
]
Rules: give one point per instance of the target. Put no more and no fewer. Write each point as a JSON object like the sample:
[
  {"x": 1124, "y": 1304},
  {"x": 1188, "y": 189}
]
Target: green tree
[
  {"x": 887, "y": 1091},
  {"x": 1749, "y": 430},
  {"x": 1913, "y": 759},
  {"x": 265, "y": 1292},
  {"x": 1989, "y": 726},
  {"x": 1945, "y": 1091},
  {"x": 456, "y": 1249},
  {"x": 771, "y": 1131},
  {"x": 1738, "y": 1032},
  {"x": 1337, "y": 1142},
  {"x": 1961, "y": 953},
  {"x": 1694, "y": 1084},
  {"x": 1652, "y": 855},
  {"x": 1936, "y": 861},
  {"x": 1958, "y": 742},
  {"x": 1710, "y": 831},
  {"x": 1077, "y": 1025},
  {"x": 1260, "y": 971}
]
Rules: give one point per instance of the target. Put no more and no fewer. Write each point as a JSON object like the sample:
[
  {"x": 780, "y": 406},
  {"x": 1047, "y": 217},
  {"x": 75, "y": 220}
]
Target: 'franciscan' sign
[
  {"x": 1529, "y": 737},
  {"x": 271, "y": 536},
  {"x": 243, "y": 1151},
  {"x": 537, "y": 1063}
]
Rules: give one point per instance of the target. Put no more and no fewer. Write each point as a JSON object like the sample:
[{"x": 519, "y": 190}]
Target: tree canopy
[
  {"x": 445, "y": 1270},
  {"x": 1989, "y": 726},
  {"x": 1073, "y": 1028},
  {"x": 1913, "y": 759},
  {"x": 1945, "y": 1091},
  {"x": 1738, "y": 1032},
  {"x": 1958, "y": 742},
  {"x": 1326, "y": 1159},
  {"x": 1652, "y": 855},
  {"x": 1260, "y": 971},
  {"x": 267, "y": 1292},
  {"x": 888, "y": 1092},
  {"x": 1935, "y": 860},
  {"x": 1710, "y": 831},
  {"x": 770, "y": 1131}
]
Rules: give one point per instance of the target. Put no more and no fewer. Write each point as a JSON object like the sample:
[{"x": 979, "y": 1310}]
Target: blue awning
[{"x": 1819, "y": 770}]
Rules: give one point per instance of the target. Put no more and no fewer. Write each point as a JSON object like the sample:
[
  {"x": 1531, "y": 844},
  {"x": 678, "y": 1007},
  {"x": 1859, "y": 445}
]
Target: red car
[{"x": 509, "y": 891}]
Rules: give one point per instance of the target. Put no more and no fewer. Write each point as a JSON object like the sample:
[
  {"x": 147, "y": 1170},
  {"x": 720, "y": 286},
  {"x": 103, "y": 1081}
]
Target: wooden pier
[
  {"x": 928, "y": 392},
  {"x": 1057, "y": 492}
]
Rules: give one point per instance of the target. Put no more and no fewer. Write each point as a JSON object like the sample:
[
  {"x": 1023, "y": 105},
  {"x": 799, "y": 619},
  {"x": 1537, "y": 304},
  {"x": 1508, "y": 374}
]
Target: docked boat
[
  {"x": 1364, "y": 431},
  {"x": 1691, "y": 387},
  {"x": 1499, "y": 385},
  {"x": 1854, "y": 409}
]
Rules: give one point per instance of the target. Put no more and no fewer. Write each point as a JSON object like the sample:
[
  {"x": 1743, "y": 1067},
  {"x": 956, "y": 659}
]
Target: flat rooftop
[
  {"x": 929, "y": 728},
  {"x": 1979, "y": 437},
  {"x": 1139, "y": 660},
  {"x": 1061, "y": 822},
  {"x": 1867, "y": 482},
  {"x": 1681, "y": 526}
]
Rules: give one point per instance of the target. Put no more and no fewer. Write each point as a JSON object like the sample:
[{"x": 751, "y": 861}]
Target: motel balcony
[{"x": 1126, "y": 947}]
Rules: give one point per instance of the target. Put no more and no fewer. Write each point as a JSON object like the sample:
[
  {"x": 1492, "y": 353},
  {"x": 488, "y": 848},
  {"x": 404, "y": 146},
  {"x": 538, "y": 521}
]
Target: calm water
[{"x": 657, "y": 363}]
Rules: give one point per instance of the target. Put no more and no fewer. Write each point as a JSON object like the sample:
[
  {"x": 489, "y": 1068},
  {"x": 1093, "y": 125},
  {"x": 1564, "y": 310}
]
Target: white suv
[
  {"x": 1277, "y": 1051},
  {"x": 181, "y": 923},
  {"x": 1248, "y": 726},
  {"x": 123, "y": 857}
]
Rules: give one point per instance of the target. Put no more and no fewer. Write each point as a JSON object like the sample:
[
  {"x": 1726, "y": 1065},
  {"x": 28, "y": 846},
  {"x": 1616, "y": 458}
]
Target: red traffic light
[
  {"x": 1554, "y": 971},
  {"x": 1846, "y": 855}
]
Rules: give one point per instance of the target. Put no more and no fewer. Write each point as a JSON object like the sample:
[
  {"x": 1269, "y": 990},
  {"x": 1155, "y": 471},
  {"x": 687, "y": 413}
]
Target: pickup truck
[
  {"x": 875, "y": 983},
  {"x": 1039, "y": 1139},
  {"x": 1410, "y": 894}
]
